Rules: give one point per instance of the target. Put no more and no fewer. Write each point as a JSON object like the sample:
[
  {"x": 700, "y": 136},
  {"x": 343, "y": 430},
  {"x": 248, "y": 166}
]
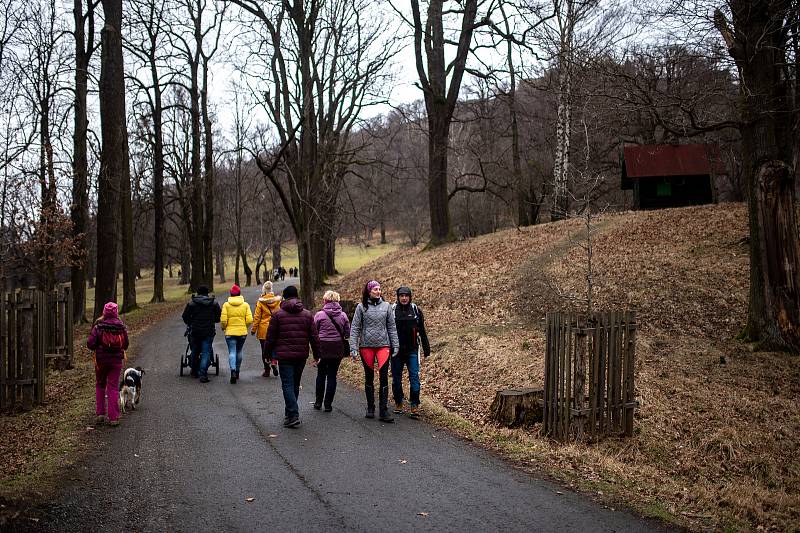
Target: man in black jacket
[
  {"x": 411, "y": 333},
  {"x": 200, "y": 315}
]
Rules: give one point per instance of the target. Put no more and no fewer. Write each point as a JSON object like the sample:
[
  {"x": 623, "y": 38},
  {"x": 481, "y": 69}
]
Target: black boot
[
  {"x": 233, "y": 377},
  {"x": 383, "y": 398},
  {"x": 369, "y": 392}
]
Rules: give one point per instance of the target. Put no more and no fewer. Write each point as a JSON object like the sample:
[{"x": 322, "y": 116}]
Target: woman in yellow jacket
[
  {"x": 236, "y": 318},
  {"x": 268, "y": 304}
]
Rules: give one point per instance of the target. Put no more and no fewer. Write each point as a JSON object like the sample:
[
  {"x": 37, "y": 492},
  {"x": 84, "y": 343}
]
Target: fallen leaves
[{"x": 685, "y": 271}]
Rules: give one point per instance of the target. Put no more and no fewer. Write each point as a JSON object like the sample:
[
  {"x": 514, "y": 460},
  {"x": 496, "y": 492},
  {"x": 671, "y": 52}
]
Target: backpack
[{"x": 112, "y": 340}]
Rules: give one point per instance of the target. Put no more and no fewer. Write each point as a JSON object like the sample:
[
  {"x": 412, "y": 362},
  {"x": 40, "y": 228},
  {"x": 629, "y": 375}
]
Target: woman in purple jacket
[
  {"x": 289, "y": 334},
  {"x": 108, "y": 340},
  {"x": 334, "y": 329}
]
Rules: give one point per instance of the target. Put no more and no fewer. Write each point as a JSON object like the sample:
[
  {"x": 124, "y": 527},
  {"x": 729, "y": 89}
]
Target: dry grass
[{"x": 716, "y": 444}]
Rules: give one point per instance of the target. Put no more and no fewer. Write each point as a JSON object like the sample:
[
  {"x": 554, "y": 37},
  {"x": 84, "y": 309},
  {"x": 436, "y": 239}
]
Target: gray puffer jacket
[{"x": 374, "y": 327}]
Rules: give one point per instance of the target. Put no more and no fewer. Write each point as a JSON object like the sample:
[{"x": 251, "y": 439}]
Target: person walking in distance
[
  {"x": 373, "y": 336},
  {"x": 291, "y": 330},
  {"x": 411, "y": 333},
  {"x": 334, "y": 330},
  {"x": 108, "y": 340},
  {"x": 267, "y": 305},
  {"x": 235, "y": 319},
  {"x": 200, "y": 315}
]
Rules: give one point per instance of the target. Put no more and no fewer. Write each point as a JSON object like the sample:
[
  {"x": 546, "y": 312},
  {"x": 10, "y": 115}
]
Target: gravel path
[{"x": 193, "y": 454}]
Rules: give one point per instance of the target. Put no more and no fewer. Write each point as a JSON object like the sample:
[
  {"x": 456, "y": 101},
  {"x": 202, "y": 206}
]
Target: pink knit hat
[
  {"x": 111, "y": 310},
  {"x": 235, "y": 290},
  {"x": 372, "y": 284}
]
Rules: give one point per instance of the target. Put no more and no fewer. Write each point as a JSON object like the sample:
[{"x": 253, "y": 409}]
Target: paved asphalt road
[{"x": 192, "y": 454}]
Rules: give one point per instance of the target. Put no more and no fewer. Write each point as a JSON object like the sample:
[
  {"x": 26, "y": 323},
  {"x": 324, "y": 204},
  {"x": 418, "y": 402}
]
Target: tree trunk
[
  {"x": 520, "y": 183},
  {"x": 114, "y": 158},
  {"x": 759, "y": 48},
  {"x": 79, "y": 210},
  {"x": 517, "y": 407},
  {"x": 236, "y": 265},
  {"x": 307, "y": 274},
  {"x": 128, "y": 251},
  {"x": 185, "y": 258},
  {"x": 158, "y": 186},
  {"x": 208, "y": 226},
  {"x": 48, "y": 200},
  {"x": 220, "y": 265},
  {"x": 330, "y": 254},
  {"x": 383, "y": 228},
  {"x": 438, "y": 199},
  {"x": 560, "y": 205},
  {"x": 775, "y": 284},
  {"x": 248, "y": 272},
  {"x": 198, "y": 248},
  {"x": 276, "y": 255}
]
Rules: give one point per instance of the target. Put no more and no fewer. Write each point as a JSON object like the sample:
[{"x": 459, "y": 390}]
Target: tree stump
[{"x": 517, "y": 407}]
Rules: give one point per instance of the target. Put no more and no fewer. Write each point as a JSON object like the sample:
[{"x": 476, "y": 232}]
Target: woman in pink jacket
[
  {"x": 334, "y": 331},
  {"x": 108, "y": 340}
]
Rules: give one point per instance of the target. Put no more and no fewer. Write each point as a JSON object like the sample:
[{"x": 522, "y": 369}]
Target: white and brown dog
[{"x": 130, "y": 389}]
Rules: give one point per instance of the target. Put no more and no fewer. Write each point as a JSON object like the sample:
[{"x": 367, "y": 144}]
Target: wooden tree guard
[
  {"x": 601, "y": 348},
  {"x": 517, "y": 407},
  {"x": 34, "y": 326}
]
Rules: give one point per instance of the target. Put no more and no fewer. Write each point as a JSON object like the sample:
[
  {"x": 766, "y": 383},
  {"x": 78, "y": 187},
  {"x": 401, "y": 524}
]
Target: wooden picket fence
[
  {"x": 598, "y": 353},
  {"x": 35, "y": 330}
]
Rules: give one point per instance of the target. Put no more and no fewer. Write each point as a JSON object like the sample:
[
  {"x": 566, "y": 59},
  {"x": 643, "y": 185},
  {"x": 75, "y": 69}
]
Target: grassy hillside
[{"x": 716, "y": 443}]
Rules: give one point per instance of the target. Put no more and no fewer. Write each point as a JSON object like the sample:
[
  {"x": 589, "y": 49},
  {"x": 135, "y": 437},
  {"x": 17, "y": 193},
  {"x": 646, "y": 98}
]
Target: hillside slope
[{"x": 716, "y": 442}]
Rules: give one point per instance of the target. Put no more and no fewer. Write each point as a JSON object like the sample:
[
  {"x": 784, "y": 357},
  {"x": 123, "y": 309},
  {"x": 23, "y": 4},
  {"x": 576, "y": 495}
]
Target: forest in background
[{"x": 170, "y": 135}]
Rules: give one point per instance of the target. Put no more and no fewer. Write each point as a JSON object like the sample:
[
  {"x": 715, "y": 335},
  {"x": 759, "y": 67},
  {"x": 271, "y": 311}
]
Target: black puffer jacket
[
  {"x": 290, "y": 332},
  {"x": 201, "y": 314}
]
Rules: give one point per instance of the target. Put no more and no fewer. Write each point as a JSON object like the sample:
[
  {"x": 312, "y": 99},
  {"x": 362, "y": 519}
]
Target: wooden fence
[
  {"x": 597, "y": 353},
  {"x": 35, "y": 329}
]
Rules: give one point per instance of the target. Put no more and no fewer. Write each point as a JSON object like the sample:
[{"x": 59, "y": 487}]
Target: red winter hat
[{"x": 235, "y": 290}]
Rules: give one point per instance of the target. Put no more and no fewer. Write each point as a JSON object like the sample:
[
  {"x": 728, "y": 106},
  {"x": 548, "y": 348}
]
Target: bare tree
[
  {"x": 577, "y": 31},
  {"x": 197, "y": 44},
  {"x": 241, "y": 126},
  {"x": 758, "y": 36},
  {"x": 114, "y": 167},
  {"x": 433, "y": 69},
  {"x": 147, "y": 19},
  {"x": 84, "y": 34},
  {"x": 327, "y": 65}
]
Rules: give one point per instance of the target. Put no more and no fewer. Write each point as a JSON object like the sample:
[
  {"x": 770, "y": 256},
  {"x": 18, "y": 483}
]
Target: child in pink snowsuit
[{"x": 109, "y": 340}]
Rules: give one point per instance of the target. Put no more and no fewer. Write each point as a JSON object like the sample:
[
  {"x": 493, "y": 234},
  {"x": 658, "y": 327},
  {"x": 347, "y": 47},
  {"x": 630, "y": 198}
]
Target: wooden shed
[{"x": 670, "y": 175}]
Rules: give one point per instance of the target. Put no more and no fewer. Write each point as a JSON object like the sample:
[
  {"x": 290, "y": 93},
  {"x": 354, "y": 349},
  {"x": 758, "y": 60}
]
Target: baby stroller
[{"x": 186, "y": 359}]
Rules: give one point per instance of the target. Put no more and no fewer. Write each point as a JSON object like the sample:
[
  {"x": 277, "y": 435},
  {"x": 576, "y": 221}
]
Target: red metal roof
[{"x": 643, "y": 161}]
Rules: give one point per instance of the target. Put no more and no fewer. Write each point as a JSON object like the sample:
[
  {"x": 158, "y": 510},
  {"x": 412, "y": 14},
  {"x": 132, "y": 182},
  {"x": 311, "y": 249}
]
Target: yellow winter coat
[
  {"x": 236, "y": 316},
  {"x": 267, "y": 305}
]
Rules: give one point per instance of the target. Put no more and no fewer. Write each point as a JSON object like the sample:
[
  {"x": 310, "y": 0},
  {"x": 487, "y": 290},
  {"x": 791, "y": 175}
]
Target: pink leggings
[
  {"x": 106, "y": 383},
  {"x": 369, "y": 355}
]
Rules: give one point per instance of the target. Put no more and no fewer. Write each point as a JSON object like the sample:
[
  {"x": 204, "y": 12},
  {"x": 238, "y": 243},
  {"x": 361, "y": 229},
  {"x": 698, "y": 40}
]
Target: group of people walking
[
  {"x": 380, "y": 332},
  {"x": 383, "y": 336},
  {"x": 279, "y": 273}
]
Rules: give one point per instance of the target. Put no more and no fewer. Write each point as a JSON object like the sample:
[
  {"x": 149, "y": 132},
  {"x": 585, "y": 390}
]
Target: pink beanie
[
  {"x": 111, "y": 310},
  {"x": 372, "y": 284}
]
